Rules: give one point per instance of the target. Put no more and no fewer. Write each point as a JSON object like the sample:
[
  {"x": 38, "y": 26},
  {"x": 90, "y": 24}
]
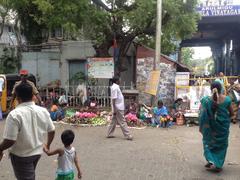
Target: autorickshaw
[{"x": 9, "y": 81}]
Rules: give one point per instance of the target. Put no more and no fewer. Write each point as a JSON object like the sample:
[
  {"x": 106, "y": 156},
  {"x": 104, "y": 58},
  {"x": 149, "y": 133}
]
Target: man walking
[
  {"x": 117, "y": 101},
  {"x": 24, "y": 75},
  {"x": 24, "y": 133}
]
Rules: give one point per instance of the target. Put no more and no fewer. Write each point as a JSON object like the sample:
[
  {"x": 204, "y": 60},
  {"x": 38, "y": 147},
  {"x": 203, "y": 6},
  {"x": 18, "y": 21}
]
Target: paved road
[{"x": 155, "y": 154}]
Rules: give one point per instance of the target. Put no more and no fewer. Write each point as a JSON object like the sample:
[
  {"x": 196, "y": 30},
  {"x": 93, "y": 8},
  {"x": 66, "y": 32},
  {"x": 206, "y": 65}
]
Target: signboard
[
  {"x": 196, "y": 94},
  {"x": 101, "y": 68},
  {"x": 194, "y": 98},
  {"x": 209, "y": 8},
  {"x": 182, "y": 78},
  {"x": 152, "y": 83}
]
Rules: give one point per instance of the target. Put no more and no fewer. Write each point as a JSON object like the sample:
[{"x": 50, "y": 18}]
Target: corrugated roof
[{"x": 144, "y": 51}]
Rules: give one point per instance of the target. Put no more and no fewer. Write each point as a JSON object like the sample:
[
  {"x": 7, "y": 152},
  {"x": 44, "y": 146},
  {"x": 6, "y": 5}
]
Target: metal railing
[{"x": 75, "y": 99}]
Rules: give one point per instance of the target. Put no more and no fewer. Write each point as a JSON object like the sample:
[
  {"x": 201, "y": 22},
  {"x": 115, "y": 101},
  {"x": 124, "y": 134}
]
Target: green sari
[{"x": 215, "y": 130}]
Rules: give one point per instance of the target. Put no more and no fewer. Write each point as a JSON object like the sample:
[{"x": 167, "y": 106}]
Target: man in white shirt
[
  {"x": 117, "y": 102},
  {"x": 24, "y": 133}
]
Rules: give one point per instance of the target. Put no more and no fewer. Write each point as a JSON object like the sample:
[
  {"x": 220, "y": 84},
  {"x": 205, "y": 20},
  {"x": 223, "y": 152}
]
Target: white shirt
[
  {"x": 65, "y": 162},
  {"x": 62, "y": 100},
  {"x": 118, "y": 96},
  {"x": 81, "y": 91},
  {"x": 27, "y": 124},
  {"x": 1, "y": 84}
]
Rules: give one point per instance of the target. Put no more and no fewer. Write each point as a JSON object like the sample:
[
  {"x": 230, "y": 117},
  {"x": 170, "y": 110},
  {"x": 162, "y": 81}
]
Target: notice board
[
  {"x": 153, "y": 82},
  {"x": 101, "y": 68}
]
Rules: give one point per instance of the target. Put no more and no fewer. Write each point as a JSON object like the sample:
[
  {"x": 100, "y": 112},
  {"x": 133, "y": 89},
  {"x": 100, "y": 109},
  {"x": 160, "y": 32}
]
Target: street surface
[{"x": 154, "y": 154}]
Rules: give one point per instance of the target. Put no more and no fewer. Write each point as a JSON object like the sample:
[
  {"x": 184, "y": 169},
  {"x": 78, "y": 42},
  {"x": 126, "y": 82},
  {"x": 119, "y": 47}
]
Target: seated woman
[
  {"x": 56, "y": 113},
  {"x": 160, "y": 115},
  {"x": 177, "y": 108},
  {"x": 132, "y": 108},
  {"x": 91, "y": 105},
  {"x": 131, "y": 111}
]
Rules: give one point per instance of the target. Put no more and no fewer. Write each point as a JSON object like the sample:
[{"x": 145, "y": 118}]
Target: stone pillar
[
  {"x": 218, "y": 57},
  {"x": 228, "y": 60},
  {"x": 236, "y": 57}
]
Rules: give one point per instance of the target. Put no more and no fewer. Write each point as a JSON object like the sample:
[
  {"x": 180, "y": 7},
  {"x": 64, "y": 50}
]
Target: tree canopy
[
  {"x": 136, "y": 20},
  {"x": 123, "y": 20},
  {"x": 187, "y": 56}
]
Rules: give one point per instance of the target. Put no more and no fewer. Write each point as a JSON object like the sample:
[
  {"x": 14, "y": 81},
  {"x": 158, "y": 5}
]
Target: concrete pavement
[{"x": 154, "y": 154}]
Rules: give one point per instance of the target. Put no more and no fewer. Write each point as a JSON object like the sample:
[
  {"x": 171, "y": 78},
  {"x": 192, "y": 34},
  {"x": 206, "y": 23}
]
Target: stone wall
[
  {"x": 166, "y": 90},
  {"x": 166, "y": 85}
]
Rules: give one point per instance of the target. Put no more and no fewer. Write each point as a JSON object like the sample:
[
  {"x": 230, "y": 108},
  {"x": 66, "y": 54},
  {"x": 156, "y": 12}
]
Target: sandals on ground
[{"x": 213, "y": 168}]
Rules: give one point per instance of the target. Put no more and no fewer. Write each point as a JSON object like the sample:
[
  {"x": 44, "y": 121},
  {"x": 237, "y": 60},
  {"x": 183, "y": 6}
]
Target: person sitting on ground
[
  {"x": 177, "y": 107},
  {"x": 93, "y": 105},
  {"x": 66, "y": 157},
  {"x": 131, "y": 111},
  {"x": 56, "y": 112},
  {"x": 62, "y": 100},
  {"x": 132, "y": 107},
  {"x": 158, "y": 112}
]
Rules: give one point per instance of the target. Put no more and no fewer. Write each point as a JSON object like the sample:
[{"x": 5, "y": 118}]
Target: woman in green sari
[{"x": 214, "y": 121}]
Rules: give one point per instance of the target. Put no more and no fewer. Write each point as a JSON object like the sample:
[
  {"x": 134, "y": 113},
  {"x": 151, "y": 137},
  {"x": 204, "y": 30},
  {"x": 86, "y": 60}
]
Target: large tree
[
  {"x": 122, "y": 20},
  {"x": 128, "y": 20}
]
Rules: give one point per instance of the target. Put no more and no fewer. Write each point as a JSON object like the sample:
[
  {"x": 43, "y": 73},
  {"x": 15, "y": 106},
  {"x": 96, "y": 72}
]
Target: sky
[{"x": 202, "y": 52}]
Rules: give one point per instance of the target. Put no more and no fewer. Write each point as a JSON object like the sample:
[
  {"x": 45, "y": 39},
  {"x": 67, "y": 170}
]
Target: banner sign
[
  {"x": 101, "y": 68},
  {"x": 209, "y": 8},
  {"x": 153, "y": 83},
  {"x": 219, "y": 11}
]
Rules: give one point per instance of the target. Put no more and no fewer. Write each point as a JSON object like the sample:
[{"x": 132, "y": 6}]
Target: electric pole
[{"x": 158, "y": 34}]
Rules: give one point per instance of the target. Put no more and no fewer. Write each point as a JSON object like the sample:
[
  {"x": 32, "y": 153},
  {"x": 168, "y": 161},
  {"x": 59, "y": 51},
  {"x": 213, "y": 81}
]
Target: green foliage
[
  {"x": 78, "y": 78},
  {"x": 200, "y": 66},
  {"x": 125, "y": 20},
  {"x": 66, "y": 14},
  {"x": 8, "y": 61},
  {"x": 137, "y": 21},
  {"x": 5, "y": 14},
  {"x": 187, "y": 56}
]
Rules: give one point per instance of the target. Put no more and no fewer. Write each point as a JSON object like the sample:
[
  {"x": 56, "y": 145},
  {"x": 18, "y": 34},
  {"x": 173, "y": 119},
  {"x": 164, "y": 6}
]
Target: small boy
[{"x": 66, "y": 157}]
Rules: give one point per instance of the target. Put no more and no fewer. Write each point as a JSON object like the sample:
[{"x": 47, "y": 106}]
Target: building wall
[
  {"x": 44, "y": 65},
  {"x": 73, "y": 51},
  {"x": 53, "y": 64},
  {"x": 166, "y": 85}
]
